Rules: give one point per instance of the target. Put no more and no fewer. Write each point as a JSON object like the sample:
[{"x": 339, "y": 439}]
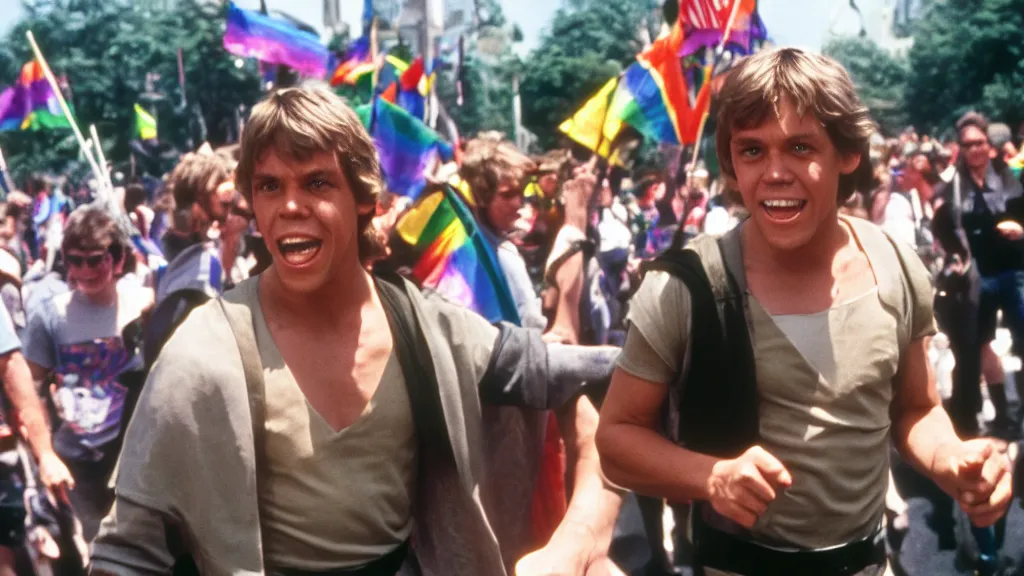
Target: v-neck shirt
[
  {"x": 825, "y": 383},
  {"x": 333, "y": 499}
]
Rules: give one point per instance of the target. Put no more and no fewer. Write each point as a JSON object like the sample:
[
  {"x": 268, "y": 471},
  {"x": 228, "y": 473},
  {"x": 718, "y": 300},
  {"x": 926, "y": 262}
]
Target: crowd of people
[{"x": 229, "y": 369}]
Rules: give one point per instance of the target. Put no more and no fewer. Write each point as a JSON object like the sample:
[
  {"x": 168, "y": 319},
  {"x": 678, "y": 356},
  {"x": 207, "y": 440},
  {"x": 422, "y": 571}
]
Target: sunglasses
[{"x": 93, "y": 261}]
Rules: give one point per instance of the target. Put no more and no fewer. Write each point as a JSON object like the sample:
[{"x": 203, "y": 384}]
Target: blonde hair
[
  {"x": 488, "y": 161},
  {"x": 755, "y": 87},
  {"x": 301, "y": 122}
]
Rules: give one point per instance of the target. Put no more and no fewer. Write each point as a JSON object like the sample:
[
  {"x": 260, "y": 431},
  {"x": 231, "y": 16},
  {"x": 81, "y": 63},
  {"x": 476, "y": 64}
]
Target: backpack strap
[
  {"x": 417, "y": 364},
  {"x": 240, "y": 319},
  {"x": 718, "y": 399}
]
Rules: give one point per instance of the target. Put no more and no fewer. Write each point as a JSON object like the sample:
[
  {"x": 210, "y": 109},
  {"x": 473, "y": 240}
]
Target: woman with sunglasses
[{"x": 73, "y": 344}]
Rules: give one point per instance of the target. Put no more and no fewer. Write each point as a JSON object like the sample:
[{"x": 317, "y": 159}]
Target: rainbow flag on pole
[
  {"x": 651, "y": 96},
  {"x": 31, "y": 103},
  {"x": 455, "y": 257},
  {"x": 253, "y": 35},
  {"x": 406, "y": 145}
]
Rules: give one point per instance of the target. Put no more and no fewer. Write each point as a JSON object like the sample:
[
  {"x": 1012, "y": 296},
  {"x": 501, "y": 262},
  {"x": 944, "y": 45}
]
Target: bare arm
[
  {"x": 38, "y": 372},
  {"x": 920, "y": 424},
  {"x": 569, "y": 280},
  {"x": 635, "y": 455},
  {"x": 20, "y": 389},
  {"x": 594, "y": 506}
]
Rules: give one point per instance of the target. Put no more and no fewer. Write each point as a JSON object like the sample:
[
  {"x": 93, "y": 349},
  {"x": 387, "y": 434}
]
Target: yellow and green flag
[{"x": 145, "y": 124}]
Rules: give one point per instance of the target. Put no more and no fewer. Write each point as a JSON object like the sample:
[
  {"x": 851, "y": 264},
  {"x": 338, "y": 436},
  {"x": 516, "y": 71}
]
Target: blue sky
[{"x": 803, "y": 23}]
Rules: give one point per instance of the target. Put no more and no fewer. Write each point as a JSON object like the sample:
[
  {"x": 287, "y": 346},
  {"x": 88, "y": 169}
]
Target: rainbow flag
[
  {"x": 31, "y": 103},
  {"x": 358, "y": 63},
  {"x": 704, "y": 22},
  {"x": 253, "y": 35},
  {"x": 455, "y": 257},
  {"x": 406, "y": 145},
  {"x": 651, "y": 96}
]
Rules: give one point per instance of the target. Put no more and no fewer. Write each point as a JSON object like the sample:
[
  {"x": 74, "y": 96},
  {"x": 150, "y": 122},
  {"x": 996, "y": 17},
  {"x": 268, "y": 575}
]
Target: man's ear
[
  {"x": 366, "y": 209},
  {"x": 848, "y": 163}
]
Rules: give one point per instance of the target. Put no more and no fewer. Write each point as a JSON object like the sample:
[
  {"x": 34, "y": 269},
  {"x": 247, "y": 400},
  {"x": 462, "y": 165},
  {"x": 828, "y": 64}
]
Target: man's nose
[{"x": 778, "y": 172}]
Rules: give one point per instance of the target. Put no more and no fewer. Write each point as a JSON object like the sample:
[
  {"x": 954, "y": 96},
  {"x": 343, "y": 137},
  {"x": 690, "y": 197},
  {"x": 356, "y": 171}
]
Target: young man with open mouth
[
  {"x": 341, "y": 441},
  {"x": 789, "y": 352}
]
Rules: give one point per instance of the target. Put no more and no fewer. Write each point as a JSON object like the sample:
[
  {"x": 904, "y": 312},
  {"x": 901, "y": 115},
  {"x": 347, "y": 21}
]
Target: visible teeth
[
  {"x": 783, "y": 203},
  {"x": 294, "y": 240}
]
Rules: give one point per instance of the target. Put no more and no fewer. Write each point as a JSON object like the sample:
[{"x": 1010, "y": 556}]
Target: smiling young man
[
  {"x": 74, "y": 347},
  {"x": 348, "y": 461},
  {"x": 789, "y": 352}
]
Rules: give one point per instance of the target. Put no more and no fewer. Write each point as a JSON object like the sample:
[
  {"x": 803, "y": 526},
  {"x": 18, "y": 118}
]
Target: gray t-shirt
[{"x": 81, "y": 344}]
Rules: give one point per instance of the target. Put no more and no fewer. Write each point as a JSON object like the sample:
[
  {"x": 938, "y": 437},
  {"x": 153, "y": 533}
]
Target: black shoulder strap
[
  {"x": 239, "y": 317},
  {"x": 718, "y": 411},
  {"x": 417, "y": 363}
]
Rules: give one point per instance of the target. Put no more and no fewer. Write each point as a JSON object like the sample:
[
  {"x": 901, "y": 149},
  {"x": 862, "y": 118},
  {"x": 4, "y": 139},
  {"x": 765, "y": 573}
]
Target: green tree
[
  {"x": 487, "y": 75},
  {"x": 586, "y": 45},
  {"x": 967, "y": 54},
  {"x": 881, "y": 79},
  {"x": 112, "y": 52}
]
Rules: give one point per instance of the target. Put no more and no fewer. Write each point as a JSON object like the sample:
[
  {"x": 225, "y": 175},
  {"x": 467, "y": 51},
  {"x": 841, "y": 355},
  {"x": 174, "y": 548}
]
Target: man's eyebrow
[
  {"x": 263, "y": 176},
  {"x": 746, "y": 141},
  {"x": 319, "y": 173},
  {"x": 802, "y": 136}
]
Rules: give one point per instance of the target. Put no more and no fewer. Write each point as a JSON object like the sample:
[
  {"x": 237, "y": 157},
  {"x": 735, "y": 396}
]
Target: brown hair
[
  {"x": 193, "y": 184},
  {"x": 488, "y": 161},
  {"x": 93, "y": 229},
  {"x": 301, "y": 122},
  {"x": 974, "y": 119},
  {"x": 754, "y": 88}
]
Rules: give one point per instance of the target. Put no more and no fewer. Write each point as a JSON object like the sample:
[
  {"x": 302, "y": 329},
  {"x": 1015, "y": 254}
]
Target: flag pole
[
  {"x": 64, "y": 107},
  {"x": 6, "y": 184},
  {"x": 99, "y": 154},
  {"x": 719, "y": 51}
]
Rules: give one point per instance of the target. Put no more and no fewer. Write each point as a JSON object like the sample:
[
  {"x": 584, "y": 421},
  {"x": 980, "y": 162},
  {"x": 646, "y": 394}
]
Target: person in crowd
[
  {"x": 190, "y": 246},
  {"x": 74, "y": 348},
  {"x": 496, "y": 171},
  {"x": 22, "y": 411},
  {"x": 984, "y": 234},
  {"x": 324, "y": 465},
  {"x": 783, "y": 409}
]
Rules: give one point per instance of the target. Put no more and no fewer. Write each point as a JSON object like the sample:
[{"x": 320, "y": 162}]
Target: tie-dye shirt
[{"x": 81, "y": 343}]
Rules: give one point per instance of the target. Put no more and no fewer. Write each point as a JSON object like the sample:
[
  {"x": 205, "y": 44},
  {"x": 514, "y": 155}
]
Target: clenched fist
[{"x": 741, "y": 489}]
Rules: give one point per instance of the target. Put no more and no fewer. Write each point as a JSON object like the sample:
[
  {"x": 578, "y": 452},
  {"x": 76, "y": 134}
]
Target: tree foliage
[
  {"x": 107, "y": 50},
  {"x": 881, "y": 79},
  {"x": 967, "y": 54},
  {"x": 588, "y": 43}
]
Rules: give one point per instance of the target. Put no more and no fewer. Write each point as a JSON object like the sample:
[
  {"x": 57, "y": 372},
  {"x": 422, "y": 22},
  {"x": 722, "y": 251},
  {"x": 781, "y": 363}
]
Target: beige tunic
[
  {"x": 831, "y": 431},
  {"x": 333, "y": 499}
]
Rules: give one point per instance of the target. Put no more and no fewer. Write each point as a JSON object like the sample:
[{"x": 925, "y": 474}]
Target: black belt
[
  {"x": 722, "y": 551},
  {"x": 387, "y": 565}
]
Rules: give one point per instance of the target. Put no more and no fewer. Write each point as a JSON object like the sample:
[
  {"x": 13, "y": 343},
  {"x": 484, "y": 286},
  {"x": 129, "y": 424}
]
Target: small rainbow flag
[
  {"x": 31, "y": 103},
  {"x": 358, "y": 63},
  {"x": 455, "y": 257}
]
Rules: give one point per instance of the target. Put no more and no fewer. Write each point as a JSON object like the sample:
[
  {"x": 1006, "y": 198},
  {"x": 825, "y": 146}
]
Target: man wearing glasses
[
  {"x": 73, "y": 345},
  {"x": 988, "y": 237}
]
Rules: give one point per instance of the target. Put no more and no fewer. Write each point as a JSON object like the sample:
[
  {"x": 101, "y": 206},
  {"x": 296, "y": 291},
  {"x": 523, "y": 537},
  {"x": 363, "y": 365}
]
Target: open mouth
[
  {"x": 299, "y": 250},
  {"x": 782, "y": 210}
]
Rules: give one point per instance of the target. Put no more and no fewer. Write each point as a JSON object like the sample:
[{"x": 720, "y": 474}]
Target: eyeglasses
[{"x": 93, "y": 261}]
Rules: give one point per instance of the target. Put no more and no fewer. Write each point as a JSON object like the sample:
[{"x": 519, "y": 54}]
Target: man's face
[
  {"x": 548, "y": 184},
  {"x": 975, "y": 147},
  {"x": 91, "y": 271},
  {"x": 787, "y": 171},
  {"x": 308, "y": 218},
  {"x": 503, "y": 211}
]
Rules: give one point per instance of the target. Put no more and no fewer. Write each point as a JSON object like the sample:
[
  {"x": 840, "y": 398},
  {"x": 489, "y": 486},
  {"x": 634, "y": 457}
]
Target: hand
[
  {"x": 55, "y": 477},
  {"x": 576, "y": 194},
  {"x": 741, "y": 489},
  {"x": 977, "y": 475},
  {"x": 1010, "y": 230},
  {"x": 568, "y": 555}
]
